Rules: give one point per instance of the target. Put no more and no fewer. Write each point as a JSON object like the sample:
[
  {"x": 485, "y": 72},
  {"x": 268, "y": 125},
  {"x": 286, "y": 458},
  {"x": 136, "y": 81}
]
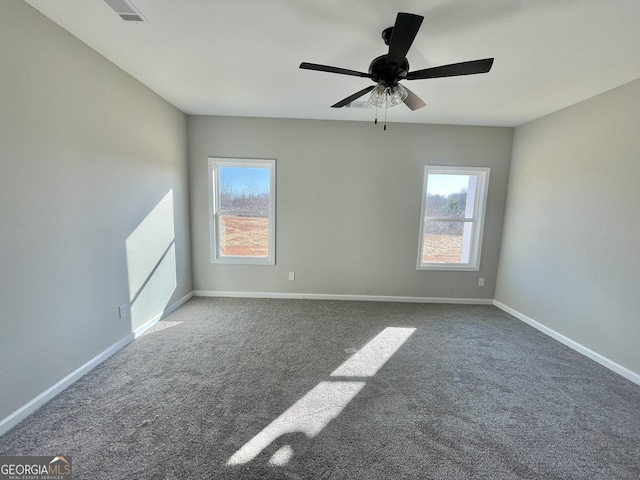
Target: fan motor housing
[{"x": 382, "y": 71}]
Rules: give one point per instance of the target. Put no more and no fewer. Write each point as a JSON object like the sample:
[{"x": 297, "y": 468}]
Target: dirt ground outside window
[
  {"x": 244, "y": 236},
  {"x": 442, "y": 248}
]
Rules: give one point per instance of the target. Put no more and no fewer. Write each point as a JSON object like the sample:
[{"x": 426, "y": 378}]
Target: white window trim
[
  {"x": 480, "y": 204},
  {"x": 214, "y": 208}
]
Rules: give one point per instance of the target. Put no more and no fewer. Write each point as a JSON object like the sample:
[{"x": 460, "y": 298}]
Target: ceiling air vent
[
  {"x": 126, "y": 10},
  {"x": 358, "y": 105}
]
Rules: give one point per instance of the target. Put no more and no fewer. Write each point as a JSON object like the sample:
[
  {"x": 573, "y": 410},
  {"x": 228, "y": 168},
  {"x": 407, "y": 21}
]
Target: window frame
[
  {"x": 477, "y": 220},
  {"x": 215, "y": 210}
]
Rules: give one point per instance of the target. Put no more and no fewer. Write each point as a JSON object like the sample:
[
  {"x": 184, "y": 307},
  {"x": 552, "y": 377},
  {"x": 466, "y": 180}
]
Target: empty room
[{"x": 340, "y": 240}]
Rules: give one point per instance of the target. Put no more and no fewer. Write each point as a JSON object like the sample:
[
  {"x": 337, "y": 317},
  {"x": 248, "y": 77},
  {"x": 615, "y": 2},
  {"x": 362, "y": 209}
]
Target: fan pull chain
[
  {"x": 385, "y": 117},
  {"x": 375, "y": 122}
]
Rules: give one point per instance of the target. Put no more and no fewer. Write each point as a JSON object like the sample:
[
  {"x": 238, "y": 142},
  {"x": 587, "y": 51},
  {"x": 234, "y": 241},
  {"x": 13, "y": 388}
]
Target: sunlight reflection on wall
[
  {"x": 151, "y": 264},
  {"x": 324, "y": 403}
]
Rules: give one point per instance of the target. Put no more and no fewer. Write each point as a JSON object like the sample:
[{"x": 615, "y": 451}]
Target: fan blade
[
  {"x": 351, "y": 98},
  {"x": 404, "y": 32},
  {"x": 453, "y": 70},
  {"x": 413, "y": 101},
  {"x": 327, "y": 68}
]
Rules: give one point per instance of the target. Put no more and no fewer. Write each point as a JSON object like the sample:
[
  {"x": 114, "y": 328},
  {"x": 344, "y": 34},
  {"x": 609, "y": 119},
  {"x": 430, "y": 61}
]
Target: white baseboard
[
  {"x": 329, "y": 296},
  {"x": 140, "y": 330},
  {"x": 28, "y": 408},
  {"x": 602, "y": 360}
]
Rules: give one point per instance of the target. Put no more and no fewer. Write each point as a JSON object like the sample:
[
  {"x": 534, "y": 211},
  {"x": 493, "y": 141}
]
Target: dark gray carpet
[{"x": 471, "y": 394}]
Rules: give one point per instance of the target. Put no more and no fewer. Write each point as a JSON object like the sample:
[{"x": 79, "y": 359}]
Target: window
[
  {"x": 242, "y": 203},
  {"x": 453, "y": 206}
]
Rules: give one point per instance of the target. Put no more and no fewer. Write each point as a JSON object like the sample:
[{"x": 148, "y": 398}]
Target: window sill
[
  {"x": 243, "y": 261},
  {"x": 449, "y": 267}
]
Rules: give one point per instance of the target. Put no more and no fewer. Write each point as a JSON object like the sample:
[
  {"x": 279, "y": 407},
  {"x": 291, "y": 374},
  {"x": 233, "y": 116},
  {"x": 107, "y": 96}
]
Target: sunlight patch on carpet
[
  {"x": 325, "y": 401},
  {"x": 282, "y": 456},
  {"x": 308, "y": 415},
  {"x": 161, "y": 326},
  {"x": 370, "y": 358}
]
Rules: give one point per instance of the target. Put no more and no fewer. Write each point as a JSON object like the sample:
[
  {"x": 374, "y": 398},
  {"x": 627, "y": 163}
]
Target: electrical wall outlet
[
  {"x": 292, "y": 275},
  {"x": 123, "y": 310},
  {"x": 481, "y": 282}
]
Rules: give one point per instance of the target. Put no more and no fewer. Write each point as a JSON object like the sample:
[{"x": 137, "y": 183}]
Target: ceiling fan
[{"x": 387, "y": 70}]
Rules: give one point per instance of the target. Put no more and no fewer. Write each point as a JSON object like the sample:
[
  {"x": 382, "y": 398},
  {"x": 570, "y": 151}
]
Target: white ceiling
[{"x": 241, "y": 57}]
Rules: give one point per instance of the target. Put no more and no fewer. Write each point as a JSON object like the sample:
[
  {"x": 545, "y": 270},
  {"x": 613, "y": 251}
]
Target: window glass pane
[
  {"x": 450, "y": 195},
  {"x": 243, "y": 211},
  {"x": 446, "y": 242},
  {"x": 244, "y": 189},
  {"x": 244, "y": 236}
]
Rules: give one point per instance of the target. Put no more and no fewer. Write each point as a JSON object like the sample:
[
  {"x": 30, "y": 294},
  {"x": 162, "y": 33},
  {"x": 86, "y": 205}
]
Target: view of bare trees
[
  {"x": 252, "y": 200},
  {"x": 449, "y": 206}
]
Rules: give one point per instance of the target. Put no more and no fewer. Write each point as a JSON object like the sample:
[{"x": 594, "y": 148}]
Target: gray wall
[
  {"x": 348, "y": 204},
  {"x": 569, "y": 255},
  {"x": 86, "y": 154}
]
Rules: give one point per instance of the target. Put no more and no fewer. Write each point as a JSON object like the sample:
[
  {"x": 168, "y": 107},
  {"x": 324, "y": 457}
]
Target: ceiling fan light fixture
[
  {"x": 397, "y": 95},
  {"x": 379, "y": 95}
]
